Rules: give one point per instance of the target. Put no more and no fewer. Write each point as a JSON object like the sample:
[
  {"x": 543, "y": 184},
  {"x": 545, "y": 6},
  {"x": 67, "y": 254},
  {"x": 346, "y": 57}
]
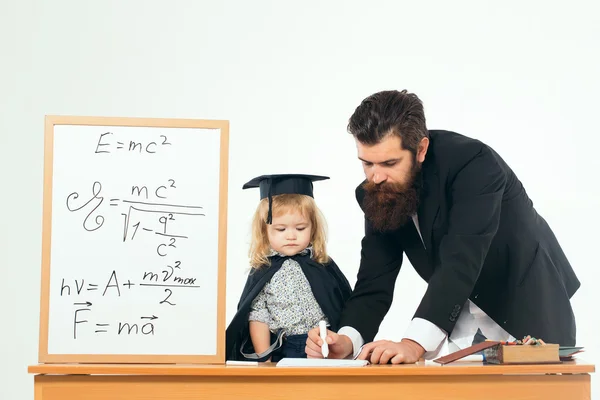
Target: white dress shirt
[{"x": 434, "y": 340}]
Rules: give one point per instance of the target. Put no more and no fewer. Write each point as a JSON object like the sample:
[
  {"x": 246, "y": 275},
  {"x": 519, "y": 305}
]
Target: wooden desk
[{"x": 465, "y": 381}]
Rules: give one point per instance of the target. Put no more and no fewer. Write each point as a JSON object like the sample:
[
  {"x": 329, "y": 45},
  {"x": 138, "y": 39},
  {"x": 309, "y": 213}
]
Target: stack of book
[{"x": 527, "y": 351}]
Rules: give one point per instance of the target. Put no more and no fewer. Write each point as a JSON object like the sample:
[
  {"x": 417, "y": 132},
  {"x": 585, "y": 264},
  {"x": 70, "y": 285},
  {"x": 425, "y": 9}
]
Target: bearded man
[{"x": 493, "y": 266}]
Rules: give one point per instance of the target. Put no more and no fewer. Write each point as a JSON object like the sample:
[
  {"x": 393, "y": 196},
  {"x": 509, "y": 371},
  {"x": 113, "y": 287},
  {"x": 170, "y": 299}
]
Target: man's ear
[{"x": 422, "y": 149}]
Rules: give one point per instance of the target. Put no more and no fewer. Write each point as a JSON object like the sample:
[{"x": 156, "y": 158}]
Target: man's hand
[
  {"x": 382, "y": 351},
  {"x": 340, "y": 346}
]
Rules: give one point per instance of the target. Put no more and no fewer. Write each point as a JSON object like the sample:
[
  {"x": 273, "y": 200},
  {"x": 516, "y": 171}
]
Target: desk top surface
[{"x": 269, "y": 369}]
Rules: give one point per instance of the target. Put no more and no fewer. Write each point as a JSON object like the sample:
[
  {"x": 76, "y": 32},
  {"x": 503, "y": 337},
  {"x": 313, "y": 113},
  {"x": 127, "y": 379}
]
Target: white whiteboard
[{"x": 134, "y": 221}]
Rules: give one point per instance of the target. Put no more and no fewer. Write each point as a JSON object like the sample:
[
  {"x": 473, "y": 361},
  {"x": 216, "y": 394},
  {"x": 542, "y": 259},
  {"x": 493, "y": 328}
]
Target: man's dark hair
[{"x": 390, "y": 112}]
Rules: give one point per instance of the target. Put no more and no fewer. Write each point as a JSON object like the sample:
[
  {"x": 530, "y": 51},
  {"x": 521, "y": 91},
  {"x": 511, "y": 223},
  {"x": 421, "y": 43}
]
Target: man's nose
[{"x": 378, "y": 176}]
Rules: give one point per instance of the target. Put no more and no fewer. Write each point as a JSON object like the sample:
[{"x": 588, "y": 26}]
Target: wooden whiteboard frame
[{"x": 50, "y": 122}]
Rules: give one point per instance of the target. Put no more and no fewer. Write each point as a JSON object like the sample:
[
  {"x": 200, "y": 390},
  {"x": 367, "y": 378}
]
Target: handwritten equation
[
  {"x": 118, "y": 328},
  {"x": 166, "y": 212},
  {"x": 108, "y": 143},
  {"x": 170, "y": 280}
]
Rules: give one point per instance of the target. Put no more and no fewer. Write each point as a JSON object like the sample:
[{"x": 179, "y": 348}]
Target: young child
[{"x": 293, "y": 283}]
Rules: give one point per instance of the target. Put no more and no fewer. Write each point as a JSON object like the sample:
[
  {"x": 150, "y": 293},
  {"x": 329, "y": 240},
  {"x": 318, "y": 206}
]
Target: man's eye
[{"x": 390, "y": 164}]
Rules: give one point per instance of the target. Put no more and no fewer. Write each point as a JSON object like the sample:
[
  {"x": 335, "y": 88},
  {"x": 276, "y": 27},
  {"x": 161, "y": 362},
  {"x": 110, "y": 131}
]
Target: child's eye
[
  {"x": 301, "y": 229},
  {"x": 280, "y": 229}
]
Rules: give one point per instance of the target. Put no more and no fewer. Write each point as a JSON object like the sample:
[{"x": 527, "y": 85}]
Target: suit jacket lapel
[{"x": 429, "y": 203}]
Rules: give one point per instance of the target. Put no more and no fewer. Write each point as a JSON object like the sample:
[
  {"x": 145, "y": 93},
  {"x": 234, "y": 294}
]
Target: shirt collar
[{"x": 308, "y": 250}]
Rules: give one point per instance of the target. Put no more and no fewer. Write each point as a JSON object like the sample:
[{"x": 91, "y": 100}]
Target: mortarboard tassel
[{"x": 270, "y": 214}]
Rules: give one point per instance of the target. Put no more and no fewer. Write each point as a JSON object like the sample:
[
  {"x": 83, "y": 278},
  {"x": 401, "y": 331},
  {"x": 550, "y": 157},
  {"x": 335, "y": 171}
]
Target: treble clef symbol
[{"x": 96, "y": 188}]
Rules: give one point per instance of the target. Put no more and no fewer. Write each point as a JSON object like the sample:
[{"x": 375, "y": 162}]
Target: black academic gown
[{"x": 329, "y": 286}]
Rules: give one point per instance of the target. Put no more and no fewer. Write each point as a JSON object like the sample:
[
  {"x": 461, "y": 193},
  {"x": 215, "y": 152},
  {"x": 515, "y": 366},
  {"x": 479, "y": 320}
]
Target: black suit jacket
[{"x": 483, "y": 240}]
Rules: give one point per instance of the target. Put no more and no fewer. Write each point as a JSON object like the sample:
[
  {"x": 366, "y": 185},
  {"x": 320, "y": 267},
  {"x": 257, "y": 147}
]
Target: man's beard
[{"x": 388, "y": 206}]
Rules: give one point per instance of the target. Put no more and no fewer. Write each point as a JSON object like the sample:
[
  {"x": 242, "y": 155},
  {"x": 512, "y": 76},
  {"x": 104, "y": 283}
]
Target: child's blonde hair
[{"x": 282, "y": 204}]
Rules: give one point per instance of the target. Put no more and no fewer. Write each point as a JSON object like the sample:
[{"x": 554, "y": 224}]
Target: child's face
[{"x": 289, "y": 233}]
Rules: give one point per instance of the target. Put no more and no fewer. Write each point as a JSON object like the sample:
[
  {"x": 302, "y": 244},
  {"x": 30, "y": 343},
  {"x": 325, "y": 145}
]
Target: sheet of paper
[{"x": 320, "y": 362}]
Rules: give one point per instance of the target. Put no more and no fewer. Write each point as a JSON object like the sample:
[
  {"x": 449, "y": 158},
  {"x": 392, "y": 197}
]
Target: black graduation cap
[{"x": 272, "y": 185}]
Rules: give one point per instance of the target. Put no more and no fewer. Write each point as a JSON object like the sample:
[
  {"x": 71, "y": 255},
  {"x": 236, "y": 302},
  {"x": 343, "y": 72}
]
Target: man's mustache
[{"x": 385, "y": 187}]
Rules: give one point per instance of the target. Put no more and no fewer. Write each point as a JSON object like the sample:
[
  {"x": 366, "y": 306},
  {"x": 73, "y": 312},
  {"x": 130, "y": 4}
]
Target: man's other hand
[{"x": 384, "y": 351}]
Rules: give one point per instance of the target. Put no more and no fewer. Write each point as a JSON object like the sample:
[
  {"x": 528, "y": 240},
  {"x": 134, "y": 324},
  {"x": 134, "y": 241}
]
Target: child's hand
[{"x": 340, "y": 346}]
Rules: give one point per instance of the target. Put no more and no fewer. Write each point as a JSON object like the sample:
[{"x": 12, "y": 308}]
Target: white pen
[{"x": 323, "y": 333}]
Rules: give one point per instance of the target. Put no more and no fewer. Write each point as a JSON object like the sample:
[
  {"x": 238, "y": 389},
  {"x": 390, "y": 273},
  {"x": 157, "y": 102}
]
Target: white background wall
[{"x": 519, "y": 75}]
